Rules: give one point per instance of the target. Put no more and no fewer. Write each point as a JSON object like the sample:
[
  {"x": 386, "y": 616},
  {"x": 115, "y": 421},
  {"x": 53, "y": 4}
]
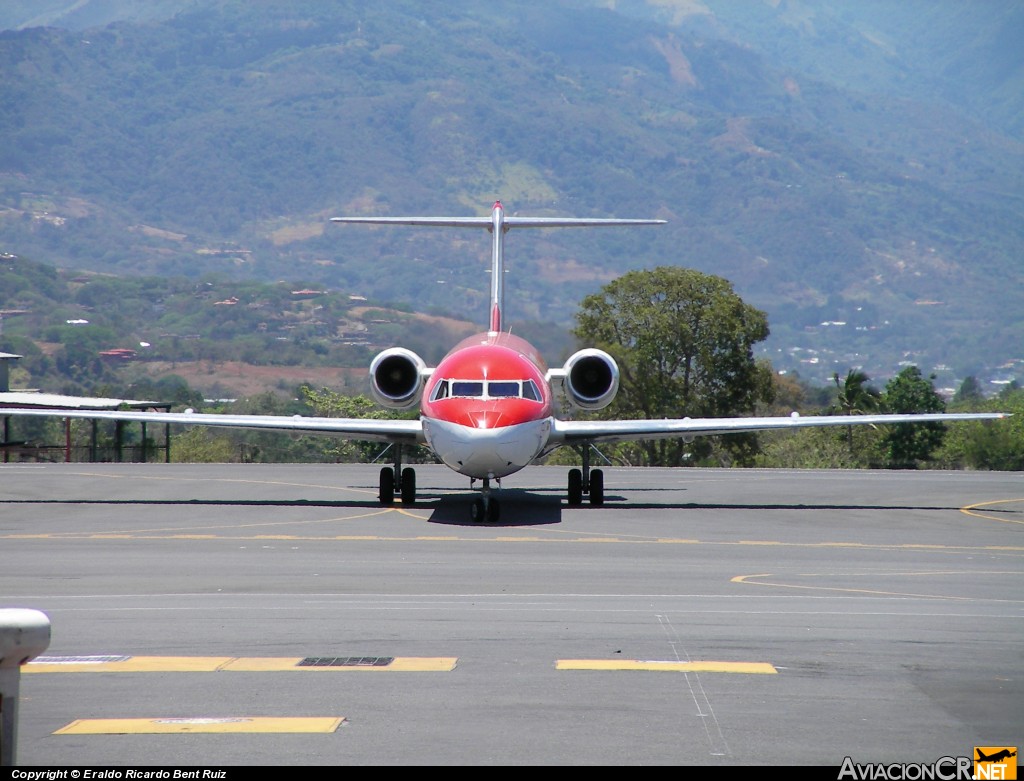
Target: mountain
[{"x": 854, "y": 169}]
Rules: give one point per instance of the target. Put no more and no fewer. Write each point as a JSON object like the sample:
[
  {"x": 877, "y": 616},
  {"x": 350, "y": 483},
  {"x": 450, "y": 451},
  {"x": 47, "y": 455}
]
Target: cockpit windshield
[
  {"x": 503, "y": 389},
  {"x": 486, "y": 389},
  {"x": 468, "y": 389}
]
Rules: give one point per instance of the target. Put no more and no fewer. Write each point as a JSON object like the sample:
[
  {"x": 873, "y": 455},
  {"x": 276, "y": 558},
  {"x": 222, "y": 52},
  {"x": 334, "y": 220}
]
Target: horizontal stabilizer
[{"x": 507, "y": 222}]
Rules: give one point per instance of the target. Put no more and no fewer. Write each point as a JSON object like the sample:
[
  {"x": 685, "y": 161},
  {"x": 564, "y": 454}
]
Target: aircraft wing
[
  {"x": 567, "y": 432},
  {"x": 362, "y": 429}
]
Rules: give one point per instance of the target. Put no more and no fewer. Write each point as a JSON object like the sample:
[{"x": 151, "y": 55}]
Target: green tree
[
  {"x": 969, "y": 391},
  {"x": 684, "y": 344},
  {"x": 331, "y": 404},
  {"x": 855, "y": 397},
  {"x": 200, "y": 445},
  {"x": 908, "y": 444},
  {"x": 170, "y": 388},
  {"x": 275, "y": 447},
  {"x": 997, "y": 445},
  {"x": 810, "y": 448}
]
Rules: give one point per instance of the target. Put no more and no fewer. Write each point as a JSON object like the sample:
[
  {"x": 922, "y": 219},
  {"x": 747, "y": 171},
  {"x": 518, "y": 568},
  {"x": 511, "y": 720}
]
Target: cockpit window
[
  {"x": 470, "y": 388},
  {"x": 494, "y": 389},
  {"x": 502, "y": 389}
]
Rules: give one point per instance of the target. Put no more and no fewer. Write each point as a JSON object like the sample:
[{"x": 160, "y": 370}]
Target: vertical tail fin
[{"x": 497, "y": 265}]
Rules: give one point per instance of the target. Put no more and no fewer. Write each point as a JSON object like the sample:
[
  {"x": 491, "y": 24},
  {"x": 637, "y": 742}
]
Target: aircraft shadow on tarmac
[{"x": 519, "y": 507}]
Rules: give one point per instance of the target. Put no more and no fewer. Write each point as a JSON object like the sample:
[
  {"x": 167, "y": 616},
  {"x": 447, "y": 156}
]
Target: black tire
[
  {"x": 596, "y": 488},
  {"x": 493, "y": 511},
  {"x": 477, "y": 511},
  {"x": 408, "y": 485},
  {"x": 387, "y": 486},
  {"x": 575, "y": 487}
]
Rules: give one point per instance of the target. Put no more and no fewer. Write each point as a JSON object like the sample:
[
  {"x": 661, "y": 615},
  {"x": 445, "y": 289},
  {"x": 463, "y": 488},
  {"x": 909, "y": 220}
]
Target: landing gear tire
[
  {"x": 478, "y": 511},
  {"x": 387, "y": 486},
  {"x": 596, "y": 488},
  {"x": 575, "y": 487},
  {"x": 481, "y": 510},
  {"x": 408, "y": 486}
]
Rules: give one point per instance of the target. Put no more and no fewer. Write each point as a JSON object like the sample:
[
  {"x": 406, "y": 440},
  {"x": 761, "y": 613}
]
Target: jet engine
[
  {"x": 396, "y": 378},
  {"x": 591, "y": 378}
]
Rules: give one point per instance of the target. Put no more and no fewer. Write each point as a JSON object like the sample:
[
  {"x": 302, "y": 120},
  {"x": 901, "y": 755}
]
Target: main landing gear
[
  {"x": 396, "y": 481},
  {"x": 485, "y": 507},
  {"x": 586, "y": 481}
]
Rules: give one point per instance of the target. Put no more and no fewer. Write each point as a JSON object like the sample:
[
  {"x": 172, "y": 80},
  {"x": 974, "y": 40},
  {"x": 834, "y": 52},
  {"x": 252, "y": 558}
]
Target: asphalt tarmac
[{"x": 239, "y": 615}]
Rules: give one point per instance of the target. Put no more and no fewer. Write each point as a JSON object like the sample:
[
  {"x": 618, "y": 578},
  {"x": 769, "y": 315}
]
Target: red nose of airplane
[{"x": 484, "y": 419}]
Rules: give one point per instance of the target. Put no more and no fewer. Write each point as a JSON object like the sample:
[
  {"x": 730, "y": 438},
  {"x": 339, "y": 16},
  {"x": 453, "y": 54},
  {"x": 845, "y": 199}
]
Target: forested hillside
[
  {"x": 88, "y": 333},
  {"x": 853, "y": 169}
]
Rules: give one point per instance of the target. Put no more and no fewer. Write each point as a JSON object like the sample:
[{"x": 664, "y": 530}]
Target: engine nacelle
[
  {"x": 591, "y": 378},
  {"x": 397, "y": 376}
]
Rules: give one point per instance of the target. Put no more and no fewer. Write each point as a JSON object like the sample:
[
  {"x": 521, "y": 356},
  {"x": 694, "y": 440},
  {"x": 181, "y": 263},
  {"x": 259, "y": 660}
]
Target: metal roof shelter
[
  {"x": 54, "y": 401},
  {"x": 57, "y": 402}
]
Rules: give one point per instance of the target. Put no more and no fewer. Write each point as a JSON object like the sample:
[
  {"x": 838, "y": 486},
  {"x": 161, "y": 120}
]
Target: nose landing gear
[{"x": 485, "y": 507}]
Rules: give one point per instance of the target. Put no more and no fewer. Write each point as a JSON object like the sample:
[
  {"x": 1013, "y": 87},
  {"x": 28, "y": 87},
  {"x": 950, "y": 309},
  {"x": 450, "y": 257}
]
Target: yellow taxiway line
[
  {"x": 192, "y": 725},
  {"x": 756, "y": 668},
  {"x": 192, "y": 664}
]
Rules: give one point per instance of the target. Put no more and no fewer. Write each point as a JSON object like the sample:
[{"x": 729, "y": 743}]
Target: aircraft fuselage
[{"x": 487, "y": 406}]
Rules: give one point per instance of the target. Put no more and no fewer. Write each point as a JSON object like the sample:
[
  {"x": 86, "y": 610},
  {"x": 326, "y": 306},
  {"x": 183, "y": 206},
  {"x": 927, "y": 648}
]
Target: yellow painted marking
[
  {"x": 196, "y": 534},
  {"x": 135, "y": 664},
  {"x": 179, "y": 532},
  {"x": 409, "y": 513},
  {"x": 757, "y": 580},
  {"x": 749, "y": 668},
  {"x": 426, "y": 664},
  {"x": 206, "y": 664},
  {"x": 193, "y": 725},
  {"x": 972, "y": 509}
]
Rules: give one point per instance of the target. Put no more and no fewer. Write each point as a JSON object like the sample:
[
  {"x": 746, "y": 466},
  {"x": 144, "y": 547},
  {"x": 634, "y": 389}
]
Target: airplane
[
  {"x": 997, "y": 757},
  {"x": 488, "y": 409}
]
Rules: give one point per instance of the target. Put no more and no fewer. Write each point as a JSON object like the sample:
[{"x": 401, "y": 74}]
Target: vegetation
[
  {"x": 64, "y": 321},
  {"x": 975, "y": 445},
  {"x": 907, "y": 445},
  {"x": 684, "y": 344},
  {"x": 855, "y": 397},
  {"x": 996, "y": 445}
]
